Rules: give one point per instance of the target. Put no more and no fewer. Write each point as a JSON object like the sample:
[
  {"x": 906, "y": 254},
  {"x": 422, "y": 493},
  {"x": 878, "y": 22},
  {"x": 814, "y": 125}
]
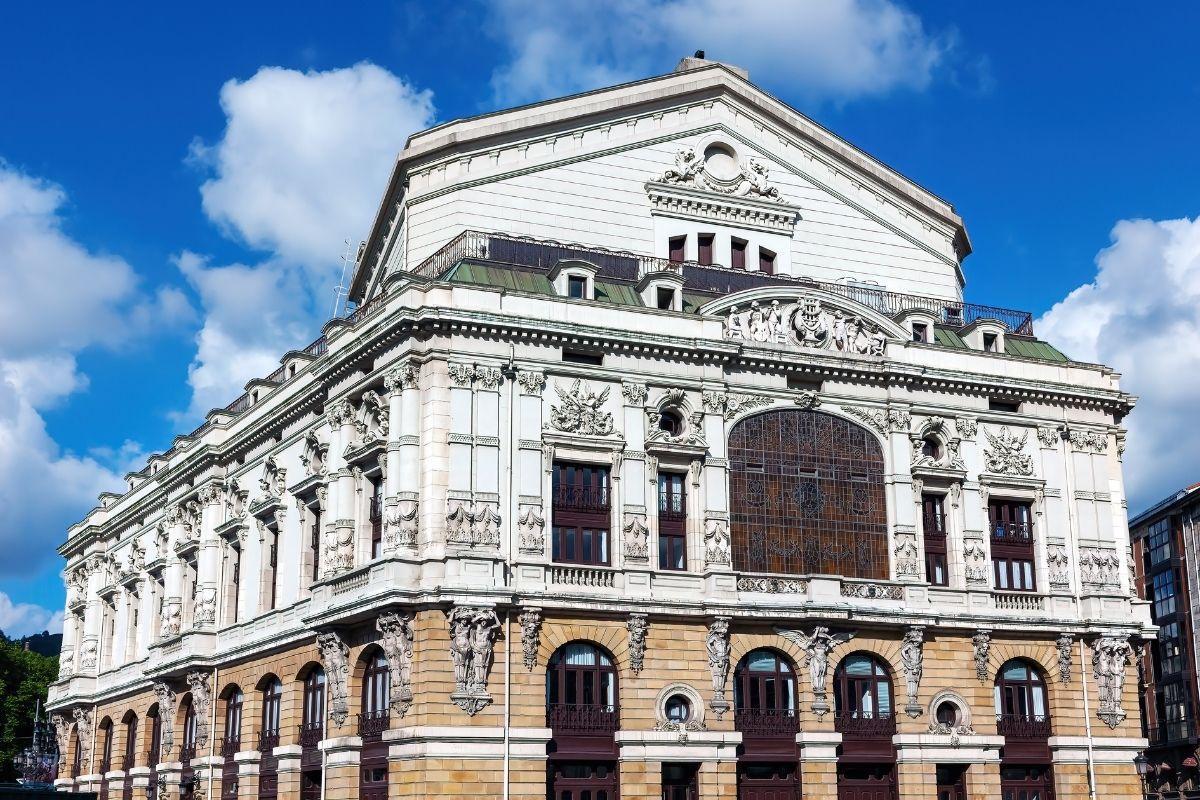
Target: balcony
[
  {"x": 1178, "y": 731},
  {"x": 1019, "y": 601},
  {"x": 268, "y": 741},
  {"x": 1022, "y": 726},
  {"x": 310, "y": 734},
  {"x": 187, "y": 752},
  {"x": 230, "y": 745},
  {"x": 587, "y": 499},
  {"x": 765, "y": 722},
  {"x": 582, "y": 719},
  {"x": 933, "y": 524},
  {"x": 709, "y": 279},
  {"x": 372, "y": 724},
  {"x": 1012, "y": 532},
  {"x": 864, "y": 725}
]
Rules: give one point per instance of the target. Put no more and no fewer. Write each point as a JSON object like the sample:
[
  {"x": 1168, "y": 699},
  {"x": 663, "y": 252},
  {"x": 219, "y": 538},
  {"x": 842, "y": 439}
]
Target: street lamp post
[{"x": 38, "y": 762}]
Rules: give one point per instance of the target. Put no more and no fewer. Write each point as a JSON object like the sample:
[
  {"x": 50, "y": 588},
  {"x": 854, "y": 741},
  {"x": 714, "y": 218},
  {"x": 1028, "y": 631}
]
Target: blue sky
[{"x": 176, "y": 184}]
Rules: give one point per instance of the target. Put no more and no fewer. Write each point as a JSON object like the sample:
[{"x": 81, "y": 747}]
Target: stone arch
[
  {"x": 809, "y": 495},
  {"x": 1041, "y": 656},
  {"x": 613, "y": 638},
  {"x": 743, "y": 643},
  {"x": 122, "y": 740},
  {"x": 305, "y": 670}
]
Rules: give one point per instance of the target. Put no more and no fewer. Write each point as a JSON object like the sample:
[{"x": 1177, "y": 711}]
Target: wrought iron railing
[
  {"x": 1177, "y": 731},
  {"x": 310, "y": 734},
  {"x": 230, "y": 745},
  {"x": 581, "y": 498},
  {"x": 934, "y": 524},
  {"x": 373, "y": 723},
  {"x": 864, "y": 724},
  {"x": 187, "y": 752},
  {"x": 766, "y": 721},
  {"x": 568, "y": 718},
  {"x": 268, "y": 741},
  {"x": 1022, "y": 726},
  {"x": 1012, "y": 532},
  {"x": 718, "y": 280}
]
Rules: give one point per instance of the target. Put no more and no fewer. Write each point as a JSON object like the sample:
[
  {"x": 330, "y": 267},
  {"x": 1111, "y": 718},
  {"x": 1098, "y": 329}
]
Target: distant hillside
[{"x": 45, "y": 644}]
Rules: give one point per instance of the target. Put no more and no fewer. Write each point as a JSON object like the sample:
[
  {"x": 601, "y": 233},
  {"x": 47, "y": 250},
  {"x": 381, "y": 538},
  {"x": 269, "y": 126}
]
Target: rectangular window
[
  {"x": 737, "y": 253},
  {"x": 990, "y": 340},
  {"x": 1158, "y": 540},
  {"x": 273, "y": 566},
  {"x": 1170, "y": 650},
  {"x": 1004, "y": 405},
  {"x": 314, "y": 543},
  {"x": 705, "y": 242},
  {"x": 678, "y": 248},
  {"x": 1011, "y": 520},
  {"x": 576, "y": 286},
  {"x": 934, "y": 523},
  {"x": 920, "y": 332},
  {"x": 581, "y": 512},
  {"x": 672, "y": 521},
  {"x": 578, "y": 357},
  {"x": 766, "y": 261},
  {"x": 666, "y": 298},
  {"x": 1162, "y": 593},
  {"x": 1011, "y": 523},
  {"x": 376, "y": 516}
]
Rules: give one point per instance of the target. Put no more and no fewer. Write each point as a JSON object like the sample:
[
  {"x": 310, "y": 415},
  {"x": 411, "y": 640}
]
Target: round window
[
  {"x": 930, "y": 448},
  {"x": 670, "y": 422},
  {"x": 947, "y": 713},
  {"x": 677, "y": 708}
]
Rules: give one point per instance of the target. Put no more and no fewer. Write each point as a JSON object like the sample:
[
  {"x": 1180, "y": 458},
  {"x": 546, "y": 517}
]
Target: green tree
[{"x": 24, "y": 678}]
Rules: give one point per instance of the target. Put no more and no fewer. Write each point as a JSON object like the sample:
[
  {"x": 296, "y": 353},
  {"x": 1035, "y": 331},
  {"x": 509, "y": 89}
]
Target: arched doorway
[
  {"x": 1023, "y": 719},
  {"x": 765, "y": 712},
  {"x": 865, "y": 716},
  {"x": 373, "y": 719},
  {"x": 582, "y": 713},
  {"x": 106, "y": 746},
  {"x": 312, "y": 730},
  {"x": 271, "y": 697},
  {"x": 129, "y": 759}
]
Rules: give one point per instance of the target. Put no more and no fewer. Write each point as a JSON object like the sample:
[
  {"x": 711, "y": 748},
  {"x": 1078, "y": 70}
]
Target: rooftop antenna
[{"x": 340, "y": 291}]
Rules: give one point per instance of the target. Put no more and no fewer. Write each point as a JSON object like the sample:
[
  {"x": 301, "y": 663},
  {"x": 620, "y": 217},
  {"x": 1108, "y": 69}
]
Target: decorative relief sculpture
[
  {"x": 340, "y": 413},
  {"x": 976, "y": 557},
  {"x": 908, "y": 563},
  {"x": 1086, "y": 441},
  {"x": 201, "y": 705},
  {"x": 1099, "y": 568},
  {"x": 732, "y": 405},
  {"x": 84, "y": 730},
  {"x": 1049, "y": 436},
  {"x": 807, "y": 399},
  {"x": 400, "y": 524},
  {"x": 530, "y": 525},
  {"x": 62, "y": 737},
  {"x": 746, "y": 583},
  {"x": 204, "y": 614},
  {"x": 581, "y": 411},
  {"x": 806, "y": 323},
  {"x": 89, "y": 654},
  {"x": 1058, "y": 564},
  {"x": 489, "y": 378},
  {"x": 691, "y": 170},
  {"x": 273, "y": 480},
  {"x": 1007, "y": 455},
  {"x": 166, "y": 718},
  {"x": 314, "y": 455},
  {"x": 816, "y": 647},
  {"x": 874, "y": 419},
  {"x": 638, "y": 626},
  {"x": 953, "y": 731},
  {"x": 912, "y": 656},
  {"x": 716, "y": 542},
  {"x": 691, "y": 432},
  {"x": 473, "y": 631},
  {"x": 473, "y": 524},
  {"x": 717, "y": 645},
  {"x": 1110, "y": 657},
  {"x": 172, "y": 617},
  {"x": 966, "y": 427},
  {"x": 637, "y": 538},
  {"x": 872, "y": 591},
  {"x": 461, "y": 374},
  {"x": 339, "y": 550},
  {"x": 405, "y": 376},
  {"x": 396, "y": 637},
  {"x": 371, "y": 422},
  {"x": 532, "y": 383},
  {"x": 335, "y": 659},
  {"x": 531, "y": 636},
  {"x": 982, "y": 642},
  {"x": 235, "y": 500},
  {"x": 1065, "y": 645},
  {"x": 634, "y": 393}
]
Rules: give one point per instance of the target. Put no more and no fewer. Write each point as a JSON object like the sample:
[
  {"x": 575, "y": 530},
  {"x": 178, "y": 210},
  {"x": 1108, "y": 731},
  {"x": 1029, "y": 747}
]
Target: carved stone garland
[
  {"x": 400, "y": 524},
  {"x": 638, "y": 626},
  {"x": 335, "y": 659},
  {"x": 636, "y": 538},
  {"x": 817, "y": 646},
  {"x": 912, "y": 659},
  {"x": 530, "y": 525},
  {"x": 473, "y": 632},
  {"x": 716, "y": 542},
  {"x": 717, "y": 645},
  {"x": 396, "y": 637},
  {"x": 531, "y": 636}
]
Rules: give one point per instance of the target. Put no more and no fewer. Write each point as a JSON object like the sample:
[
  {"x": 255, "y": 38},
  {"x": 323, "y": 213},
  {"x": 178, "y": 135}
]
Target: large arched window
[
  {"x": 581, "y": 689},
  {"x": 376, "y": 690},
  {"x": 863, "y": 697},
  {"x": 1020, "y": 698},
  {"x": 189, "y": 731},
  {"x": 807, "y": 496},
  {"x": 372, "y": 722},
  {"x": 233, "y": 722},
  {"x": 106, "y": 736},
  {"x": 77, "y": 761},
  {"x": 764, "y": 695},
  {"x": 155, "y": 749},
  {"x": 312, "y": 720},
  {"x": 272, "y": 698},
  {"x": 131, "y": 731}
]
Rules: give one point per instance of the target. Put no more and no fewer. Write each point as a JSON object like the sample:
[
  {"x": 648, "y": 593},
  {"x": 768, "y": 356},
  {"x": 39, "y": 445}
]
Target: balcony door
[{"x": 582, "y": 713}]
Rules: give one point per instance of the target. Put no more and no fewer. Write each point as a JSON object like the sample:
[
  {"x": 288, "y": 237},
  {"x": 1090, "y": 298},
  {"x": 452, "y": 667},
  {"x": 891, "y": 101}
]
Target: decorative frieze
[
  {"x": 1006, "y": 454},
  {"x": 966, "y": 427},
  {"x": 872, "y": 591},
  {"x": 638, "y": 626},
  {"x": 809, "y": 323},
  {"x": 731, "y": 405},
  {"x": 530, "y": 526},
  {"x": 717, "y": 645},
  {"x": 396, "y": 638},
  {"x": 335, "y": 660},
  {"x": 1088, "y": 441},
  {"x": 472, "y": 524},
  {"x": 716, "y": 542},
  {"x": 1049, "y": 436},
  {"x": 473, "y": 632},
  {"x": 400, "y": 524},
  {"x": 581, "y": 411},
  {"x": 1110, "y": 656},
  {"x": 636, "y": 538},
  {"x": 807, "y": 399},
  {"x": 634, "y": 393},
  {"x": 1099, "y": 568},
  {"x": 817, "y": 646},
  {"x": 751, "y": 583},
  {"x": 531, "y": 636},
  {"x": 532, "y": 383},
  {"x": 912, "y": 658}
]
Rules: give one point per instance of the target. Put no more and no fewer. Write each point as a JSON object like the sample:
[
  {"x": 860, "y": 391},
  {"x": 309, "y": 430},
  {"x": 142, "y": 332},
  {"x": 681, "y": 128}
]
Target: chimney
[{"x": 698, "y": 60}]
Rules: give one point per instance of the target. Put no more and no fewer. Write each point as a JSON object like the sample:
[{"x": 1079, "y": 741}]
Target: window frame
[{"x": 581, "y": 514}]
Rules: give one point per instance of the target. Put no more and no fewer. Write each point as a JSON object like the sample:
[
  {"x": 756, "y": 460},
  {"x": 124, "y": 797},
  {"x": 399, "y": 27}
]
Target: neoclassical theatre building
[{"x": 660, "y": 458}]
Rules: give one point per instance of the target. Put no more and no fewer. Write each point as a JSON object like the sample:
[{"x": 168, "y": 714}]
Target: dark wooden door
[
  {"x": 769, "y": 781},
  {"x": 866, "y": 782},
  {"x": 584, "y": 781},
  {"x": 1026, "y": 782},
  {"x": 952, "y": 782},
  {"x": 310, "y": 785},
  {"x": 680, "y": 782}
]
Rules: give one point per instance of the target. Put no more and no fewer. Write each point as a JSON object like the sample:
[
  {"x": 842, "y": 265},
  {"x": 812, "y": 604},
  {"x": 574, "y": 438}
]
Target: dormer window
[
  {"x": 666, "y": 298},
  {"x": 705, "y": 254},
  {"x": 574, "y": 278},
  {"x": 991, "y": 343},
  {"x": 737, "y": 253},
  {"x": 766, "y": 261},
  {"x": 920, "y": 332},
  {"x": 577, "y": 287},
  {"x": 678, "y": 248}
]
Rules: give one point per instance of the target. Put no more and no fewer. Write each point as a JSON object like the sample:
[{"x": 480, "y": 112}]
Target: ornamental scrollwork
[
  {"x": 1006, "y": 453},
  {"x": 581, "y": 411},
  {"x": 690, "y": 170},
  {"x": 530, "y": 524},
  {"x": 1088, "y": 441},
  {"x": 732, "y": 405},
  {"x": 532, "y": 383},
  {"x": 716, "y": 542},
  {"x": 806, "y": 323},
  {"x": 634, "y": 393},
  {"x": 637, "y": 538}
]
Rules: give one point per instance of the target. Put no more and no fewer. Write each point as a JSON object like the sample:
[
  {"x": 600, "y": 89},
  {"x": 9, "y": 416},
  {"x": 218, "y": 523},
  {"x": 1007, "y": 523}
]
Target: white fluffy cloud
[
  {"x": 59, "y": 298},
  {"x": 833, "y": 49},
  {"x": 1141, "y": 315},
  {"x": 300, "y": 167},
  {"x": 25, "y": 619}
]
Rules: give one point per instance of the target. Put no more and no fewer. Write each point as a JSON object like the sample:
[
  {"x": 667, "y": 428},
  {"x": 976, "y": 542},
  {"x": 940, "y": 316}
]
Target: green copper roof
[{"x": 622, "y": 294}]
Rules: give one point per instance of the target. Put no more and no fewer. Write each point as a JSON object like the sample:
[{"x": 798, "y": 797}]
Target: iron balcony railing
[
  {"x": 1023, "y": 726},
  {"x": 187, "y": 752},
  {"x": 268, "y": 741},
  {"x": 766, "y": 721},
  {"x": 581, "y": 498},
  {"x": 310, "y": 734},
  {"x": 1012, "y": 532},
  {"x": 934, "y": 524},
  {"x": 864, "y": 724},
  {"x": 1168, "y": 732},
  {"x": 230, "y": 745},
  {"x": 571, "y": 718},
  {"x": 543, "y": 254},
  {"x": 373, "y": 723}
]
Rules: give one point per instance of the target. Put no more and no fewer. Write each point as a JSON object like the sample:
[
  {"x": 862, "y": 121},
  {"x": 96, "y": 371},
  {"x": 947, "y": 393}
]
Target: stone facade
[{"x": 389, "y": 508}]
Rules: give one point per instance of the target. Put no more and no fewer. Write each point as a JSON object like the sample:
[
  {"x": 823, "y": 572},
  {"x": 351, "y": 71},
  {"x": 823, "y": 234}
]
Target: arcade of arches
[{"x": 587, "y": 725}]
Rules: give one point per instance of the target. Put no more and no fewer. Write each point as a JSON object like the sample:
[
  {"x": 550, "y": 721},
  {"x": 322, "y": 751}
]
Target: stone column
[
  {"x": 339, "y": 530},
  {"x": 68, "y": 664},
  {"x": 532, "y": 505},
  {"x": 631, "y": 545},
  {"x": 145, "y": 614},
  {"x": 248, "y": 762},
  {"x": 343, "y": 754},
  {"x": 93, "y": 614},
  {"x": 141, "y": 777},
  {"x": 289, "y": 769},
  {"x": 208, "y": 561},
  {"x": 402, "y": 484},
  {"x": 172, "y": 610},
  {"x": 818, "y": 763},
  {"x": 713, "y": 545}
]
